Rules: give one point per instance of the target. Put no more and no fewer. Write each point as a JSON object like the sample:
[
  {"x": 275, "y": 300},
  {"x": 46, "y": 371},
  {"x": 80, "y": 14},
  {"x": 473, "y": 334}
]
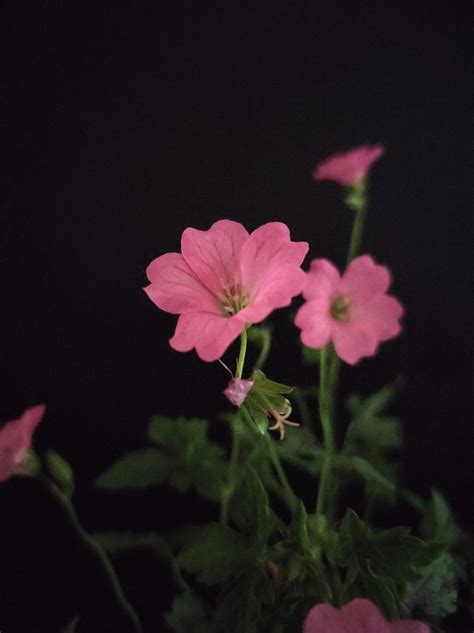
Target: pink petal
[
  {"x": 210, "y": 334},
  {"x": 324, "y": 618},
  {"x": 353, "y": 340},
  {"x": 323, "y": 279},
  {"x": 350, "y": 167},
  {"x": 213, "y": 255},
  {"x": 270, "y": 265},
  {"x": 381, "y": 315},
  {"x": 408, "y": 626},
  {"x": 280, "y": 286},
  {"x": 15, "y": 440},
  {"x": 364, "y": 279},
  {"x": 362, "y": 616},
  {"x": 314, "y": 321},
  {"x": 175, "y": 288}
]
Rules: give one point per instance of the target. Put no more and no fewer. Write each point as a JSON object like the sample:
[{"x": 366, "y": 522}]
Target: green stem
[
  {"x": 243, "y": 350},
  {"x": 290, "y": 495},
  {"x": 266, "y": 340},
  {"x": 357, "y": 230},
  {"x": 328, "y": 433},
  {"x": 95, "y": 550}
]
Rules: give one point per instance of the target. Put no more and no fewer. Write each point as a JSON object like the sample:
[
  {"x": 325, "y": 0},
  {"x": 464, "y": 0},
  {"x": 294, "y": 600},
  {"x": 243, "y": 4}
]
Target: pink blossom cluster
[{"x": 225, "y": 279}]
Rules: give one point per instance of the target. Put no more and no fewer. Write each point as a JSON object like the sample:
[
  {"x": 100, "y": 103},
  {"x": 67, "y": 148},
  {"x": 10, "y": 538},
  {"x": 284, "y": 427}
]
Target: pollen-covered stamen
[
  {"x": 340, "y": 308},
  {"x": 232, "y": 300},
  {"x": 280, "y": 421}
]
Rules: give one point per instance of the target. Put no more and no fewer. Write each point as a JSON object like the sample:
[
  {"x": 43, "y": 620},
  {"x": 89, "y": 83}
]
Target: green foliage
[
  {"x": 301, "y": 449},
  {"x": 438, "y": 522},
  {"x": 250, "y": 509},
  {"x": 241, "y": 603},
  {"x": 216, "y": 553},
  {"x": 61, "y": 473},
  {"x": 435, "y": 593},
  {"x": 116, "y": 542},
  {"x": 184, "y": 458},
  {"x": 265, "y": 396},
  {"x": 378, "y": 563},
  {"x": 370, "y": 438},
  {"x": 187, "y": 614}
]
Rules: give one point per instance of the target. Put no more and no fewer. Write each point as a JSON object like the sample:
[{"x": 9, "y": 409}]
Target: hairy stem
[{"x": 243, "y": 350}]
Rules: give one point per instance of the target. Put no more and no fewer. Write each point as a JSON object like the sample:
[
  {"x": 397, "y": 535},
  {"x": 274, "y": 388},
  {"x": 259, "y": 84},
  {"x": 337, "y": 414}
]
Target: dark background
[{"x": 125, "y": 124}]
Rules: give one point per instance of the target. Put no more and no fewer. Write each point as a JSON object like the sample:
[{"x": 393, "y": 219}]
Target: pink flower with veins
[
  {"x": 349, "y": 168},
  {"x": 15, "y": 441},
  {"x": 222, "y": 280},
  {"x": 358, "y": 616},
  {"x": 352, "y": 311}
]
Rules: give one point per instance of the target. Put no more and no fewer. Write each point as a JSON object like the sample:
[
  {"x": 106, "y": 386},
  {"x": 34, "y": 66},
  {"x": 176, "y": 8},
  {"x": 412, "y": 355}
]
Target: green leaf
[
  {"x": 61, "y": 472},
  {"x": 116, "y": 542},
  {"x": 301, "y": 449},
  {"x": 139, "y": 469},
  {"x": 250, "y": 509},
  {"x": 438, "y": 523},
  {"x": 435, "y": 593},
  {"x": 267, "y": 386},
  {"x": 239, "y": 606},
  {"x": 255, "y": 414},
  {"x": 365, "y": 469},
  {"x": 217, "y": 553},
  {"x": 187, "y": 614}
]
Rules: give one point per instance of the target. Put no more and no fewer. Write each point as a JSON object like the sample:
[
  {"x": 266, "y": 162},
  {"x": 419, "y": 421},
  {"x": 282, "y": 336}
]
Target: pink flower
[
  {"x": 237, "y": 390},
  {"x": 349, "y": 168},
  {"x": 352, "y": 311},
  {"x": 223, "y": 279},
  {"x": 358, "y": 616},
  {"x": 15, "y": 441}
]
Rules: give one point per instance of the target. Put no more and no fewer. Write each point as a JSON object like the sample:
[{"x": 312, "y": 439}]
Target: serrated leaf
[
  {"x": 250, "y": 508},
  {"x": 139, "y": 469},
  {"x": 435, "y": 593},
  {"x": 301, "y": 449},
  {"x": 217, "y": 553},
  {"x": 239, "y": 606}
]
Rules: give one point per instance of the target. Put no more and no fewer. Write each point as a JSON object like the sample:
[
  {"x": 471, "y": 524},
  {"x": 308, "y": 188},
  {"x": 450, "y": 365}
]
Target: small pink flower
[
  {"x": 358, "y": 616},
  {"x": 237, "y": 390},
  {"x": 223, "y": 279},
  {"x": 352, "y": 311},
  {"x": 349, "y": 168},
  {"x": 15, "y": 441}
]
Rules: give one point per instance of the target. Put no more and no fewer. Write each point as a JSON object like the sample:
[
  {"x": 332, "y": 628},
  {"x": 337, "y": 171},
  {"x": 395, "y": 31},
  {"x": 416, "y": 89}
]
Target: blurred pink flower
[
  {"x": 237, "y": 390},
  {"x": 350, "y": 167},
  {"x": 358, "y": 616},
  {"x": 223, "y": 279},
  {"x": 15, "y": 441},
  {"x": 352, "y": 311}
]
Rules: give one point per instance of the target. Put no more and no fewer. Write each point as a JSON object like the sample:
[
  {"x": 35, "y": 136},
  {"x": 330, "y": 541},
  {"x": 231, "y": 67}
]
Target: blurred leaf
[
  {"x": 187, "y": 614},
  {"x": 184, "y": 458},
  {"x": 140, "y": 469},
  {"x": 61, "y": 472},
  {"x": 116, "y": 542},
  {"x": 240, "y": 605},
  {"x": 301, "y": 449},
  {"x": 250, "y": 509},
  {"x": 216, "y": 553},
  {"x": 267, "y": 386},
  {"x": 72, "y": 626},
  {"x": 365, "y": 469},
  {"x": 435, "y": 593},
  {"x": 438, "y": 524},
  {"x": 255, "y": 414}
]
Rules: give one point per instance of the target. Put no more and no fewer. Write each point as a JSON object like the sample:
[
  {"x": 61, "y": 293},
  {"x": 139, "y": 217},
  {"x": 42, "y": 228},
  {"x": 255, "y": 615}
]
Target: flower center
[
  {"x": 340, "y": 309},
  {"x": 232, "y": 300}
]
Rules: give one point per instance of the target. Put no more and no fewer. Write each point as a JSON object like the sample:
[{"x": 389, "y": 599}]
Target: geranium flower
[
  {"x": 348, "y": 168},
  {"x": 352, "y": 311},
  {"x": 222, "y": 280},
  {"x": 358, "y": 616},
  {"x": 15, "y": 441}
]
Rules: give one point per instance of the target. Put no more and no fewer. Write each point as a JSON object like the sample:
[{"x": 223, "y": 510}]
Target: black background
[{"x": 123, "y": 125}]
